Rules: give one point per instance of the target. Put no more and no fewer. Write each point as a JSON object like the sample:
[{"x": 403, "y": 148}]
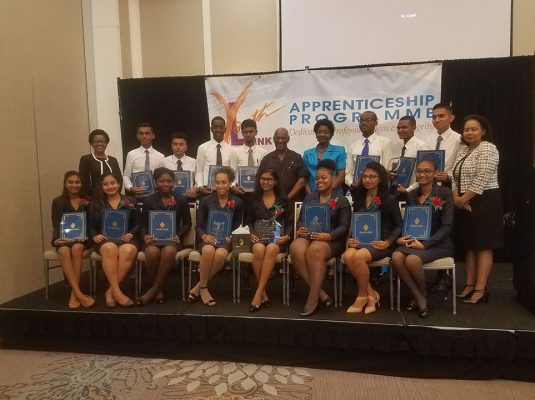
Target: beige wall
[
  {"x": 171, "y": 37},
  {"x": 44, "y": 121},
  {"x": 523, "y": 27}
]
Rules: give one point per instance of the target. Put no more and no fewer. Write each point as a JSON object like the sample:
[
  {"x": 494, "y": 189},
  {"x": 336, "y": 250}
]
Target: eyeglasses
[
  {"x": 370, "y": 177},
  {"x": 269, "y": 179},
  {"x": 424, "y": 171}
]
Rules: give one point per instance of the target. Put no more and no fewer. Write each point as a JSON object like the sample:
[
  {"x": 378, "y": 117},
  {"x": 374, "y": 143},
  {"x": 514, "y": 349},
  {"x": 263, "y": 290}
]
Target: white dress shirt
[
  {"x": 135, "y": 162},
  {"x": 188, "y": 163},
  {"x": 240, "y": 156},
  {"x": 377, "y": 146},
  {"x": 206, "y": 156},
  {"x": 451, "y": 141},
  {"x": 411, "y": 149}
]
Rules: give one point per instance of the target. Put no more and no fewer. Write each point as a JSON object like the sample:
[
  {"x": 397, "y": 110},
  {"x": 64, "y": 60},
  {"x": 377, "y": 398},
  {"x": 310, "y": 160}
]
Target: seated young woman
[
  {"x": 311, "y": 250},
  {"x": 371, "y": 194},
  {"x": 213, "y": 251},
  {"x": 117, "y": 258},
  {"x": 70, "y": 252},
  {"x": 412, "y": 253},
  {"x": 160, "y": 259},
  {"x": 268, "y": 204}
]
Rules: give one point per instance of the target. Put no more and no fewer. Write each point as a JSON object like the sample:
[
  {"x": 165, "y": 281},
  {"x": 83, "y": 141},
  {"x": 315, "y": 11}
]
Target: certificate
[
  {"x": 438, "y": 156},
  {"x": 115, "y": 224},
  {"x": 247, "y": 178},
  {"x": 143, "y": 180},
  {"x": 417, "y": 222},
  {"x": 212, "y": 170},
  {"x": 366, "y": 226},
  {"x": 360, "y": 165},
  {"x": 404, "y": 171},
  {"x": 162, "y": 226},
  {"x": 267, "y": 230},
  {"x": 73, "y": 226},
  {"x": 317, "y": 217},
  {"x": 219, "y": 225},
  {"x": 183, "y": 182}
]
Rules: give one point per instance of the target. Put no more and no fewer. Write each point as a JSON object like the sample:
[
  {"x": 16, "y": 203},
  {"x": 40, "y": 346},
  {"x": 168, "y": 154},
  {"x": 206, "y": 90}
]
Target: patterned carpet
[{"x": 27, "y": 375}]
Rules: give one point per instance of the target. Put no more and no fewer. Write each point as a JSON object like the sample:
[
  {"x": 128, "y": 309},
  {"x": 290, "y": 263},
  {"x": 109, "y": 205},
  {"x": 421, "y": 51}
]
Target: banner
[{"x": 296, "y": 100}]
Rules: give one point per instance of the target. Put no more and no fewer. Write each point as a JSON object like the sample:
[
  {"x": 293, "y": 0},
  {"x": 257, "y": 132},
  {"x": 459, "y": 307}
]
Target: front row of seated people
[{"x": 475, "y": 203}]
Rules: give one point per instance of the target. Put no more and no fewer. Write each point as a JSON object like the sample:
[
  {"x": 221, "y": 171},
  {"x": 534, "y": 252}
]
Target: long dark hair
[
  {"x": 359, "y": 195},
  {"x": 65, "y": 198},
  {"x": 99, "y": 198},
  {"x": 277, "y": 189}
]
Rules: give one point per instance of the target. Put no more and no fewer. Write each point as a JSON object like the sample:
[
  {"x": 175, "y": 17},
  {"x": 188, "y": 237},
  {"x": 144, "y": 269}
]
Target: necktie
[
  {"x": 179, "y": 165},
  {"x": 219, "y": 159},
  {"x": 250, "y": 160},
  {"x": 147, "y": 161},
  {"x": 439, "y": 139},
  {"x": 403, "y": 151},
  {"x": 366, "y": 148}
]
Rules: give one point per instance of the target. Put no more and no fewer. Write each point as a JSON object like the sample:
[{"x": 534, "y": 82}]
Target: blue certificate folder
[
  {"x": 317, "y": 217},
  {"x": 162, "y": 226},
  {"x": 366, "y": 226},
  {"x": 417, "y": 222},
  {"x": 404, "y": 171},
  {"x": 73, "y": 226},
  {"x": 247, "y": 178},
  {"x": 143, "y": 180},
  {"x": 212, "y": 170},
  {"x": 438, "y": 156},
  {"x": 183, "y": 182},
  {"x": 219, "y": 224},
  {"x": 115, "y": 224},
  {"x": 360, "y": 165}
]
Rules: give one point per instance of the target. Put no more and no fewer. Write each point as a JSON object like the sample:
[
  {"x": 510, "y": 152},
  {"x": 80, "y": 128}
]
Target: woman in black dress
[
  {"x": 372, "y": 195},
  {"x": 70, "y": 252},
  {"x": 117, "y": 258},
  {"x": 214, "y": 251},
  {"x": 477, "y": 197},
  {"x": 412, "y": 253},
  {"x": 160, "y": 259},
  {"x": 94, "y": 165},
  {"x": 268, "y": 204},
  {"x": 311, "y": 250}
]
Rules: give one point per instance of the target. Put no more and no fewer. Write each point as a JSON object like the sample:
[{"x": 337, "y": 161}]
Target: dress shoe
[
  {"x": 413, "y": 306},
  {"x": 265, "y": 303},
  {"x": 353, "y": 310},
  {"x": 468, "y": 294},
  {"x": 308, "y": 313},
  {"x": 372, "y": 302},
  {"x": 327, "y": 301},
  {"x": 483, "y": 299},
  {"x": 255, "y": 307},
  {"x": 192, "y": 297},
  {"x": 425, "y": 313}
]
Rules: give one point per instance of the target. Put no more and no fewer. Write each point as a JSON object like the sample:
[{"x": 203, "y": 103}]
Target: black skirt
[
  {"x": 482, "y": 228},
  {"x": 427, "y": 255}
]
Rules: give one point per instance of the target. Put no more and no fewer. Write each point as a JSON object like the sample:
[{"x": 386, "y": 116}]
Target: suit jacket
[
  {"x": 390, "y": 217},
  {"x": 441, "y": 219},
  {"x": 183, "y": 216},
  {"x": 95, "y": 217},
  {"x": 340, "y": 215},
  {"x": 58, "y": 208},
  {"x": 89, "y": 169}
]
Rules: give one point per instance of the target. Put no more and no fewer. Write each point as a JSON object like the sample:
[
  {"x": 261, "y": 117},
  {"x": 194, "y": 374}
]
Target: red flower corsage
[
  {"x": 83, "y": 203},
  {"x": 126, "y": 205},
  {"x": 332, "y": 203},
  {"x": 170, "y": 203},
  {"x": 437, "y": 202},
  {"x": 231, "y": 205},
  {"x": 279, "y": 211},
  {"x": 377, "y": 200}
]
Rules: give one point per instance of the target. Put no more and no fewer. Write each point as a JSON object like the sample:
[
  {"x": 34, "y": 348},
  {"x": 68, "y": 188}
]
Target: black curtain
[{"x": 169, "y": 104}]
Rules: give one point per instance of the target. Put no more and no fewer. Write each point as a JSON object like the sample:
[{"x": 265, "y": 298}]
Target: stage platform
[{"x": 494, "y": 340}]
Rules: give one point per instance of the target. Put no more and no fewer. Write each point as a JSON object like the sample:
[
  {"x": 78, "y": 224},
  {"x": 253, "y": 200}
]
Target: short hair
[
  {"x": 248, "y": 123},
  {"x": 327, "y": 164},
  {"x": 179, "y": 135},
  {"x": 96, "y": 132},
  {"x": 158, "y": 172},
  {"x": 324, "y": 122},
  {"x": 409, "y": 118},
  {"x": 485, "y": 125},
  {"x": 229, "y": 172},
  {"x": 145, "y": 125},
  {"x": 217, "y": 117},
  {"x": 445, "y": 106}
]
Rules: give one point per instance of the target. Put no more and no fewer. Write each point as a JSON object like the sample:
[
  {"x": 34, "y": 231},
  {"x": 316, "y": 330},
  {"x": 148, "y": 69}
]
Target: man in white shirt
[
  {"x": 213, "y": 152},
  {"x": 369, "y": 143},
  {"x": 179, "y": 161},
  {"x": 144, "y": 158},
  {"x": 249, "y": 154},
  {"x": 445, "y": 139},
  {"x": 407, "y": 147}
]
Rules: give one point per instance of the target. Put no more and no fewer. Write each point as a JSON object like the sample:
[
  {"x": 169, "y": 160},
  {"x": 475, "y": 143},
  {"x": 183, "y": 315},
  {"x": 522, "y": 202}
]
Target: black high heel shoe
[
  {"x": 254, "y": 307},
  {"x": 467, "y": 295},
  {"x": 413, "y": 306},
  {"x": 425, "y": 313},
  {"x": 483, "y": 299},
  {"x": 308, "y": 313},
  {"x": 265, "y": 303},
  {"x": 327, "y": 301}
]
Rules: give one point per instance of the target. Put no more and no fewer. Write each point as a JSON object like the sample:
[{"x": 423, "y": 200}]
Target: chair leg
[
  {"x": 183, "y": 272},
  {"x": 399, "y": 293},
  {"x": 47, "y": 277},
  {"x": 335, "y": 281},
  {"x": 189, "y": 276},
  {"x": 391, "y": 284},
  {"x": 338, "y": 302},
  {"x": 454, "y": 291}
]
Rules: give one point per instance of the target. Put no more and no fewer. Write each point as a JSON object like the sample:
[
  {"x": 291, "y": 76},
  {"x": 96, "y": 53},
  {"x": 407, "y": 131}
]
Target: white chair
[
  {"x": 52, "y": 256},
  {"x": 447, "y": 264}
]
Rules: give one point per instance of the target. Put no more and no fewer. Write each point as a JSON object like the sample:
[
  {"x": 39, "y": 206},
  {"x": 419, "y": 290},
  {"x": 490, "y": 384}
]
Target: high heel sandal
[
  {"x": 265, "y": 303},
  {"x": 413, "y": 306},
  {"x": 192, "y": 297},
  {"x": 374, "y": 300},
  {"x": 466, "y": 295},
  {"x": 354, "y": 310},
  {"x": 209, "y": 303},
  {"x": 327, "y": 301},
  {"x": 483, "y": 299},
  {"x": 308, "y": 313},
  {"x": 425, "y": 313}
]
